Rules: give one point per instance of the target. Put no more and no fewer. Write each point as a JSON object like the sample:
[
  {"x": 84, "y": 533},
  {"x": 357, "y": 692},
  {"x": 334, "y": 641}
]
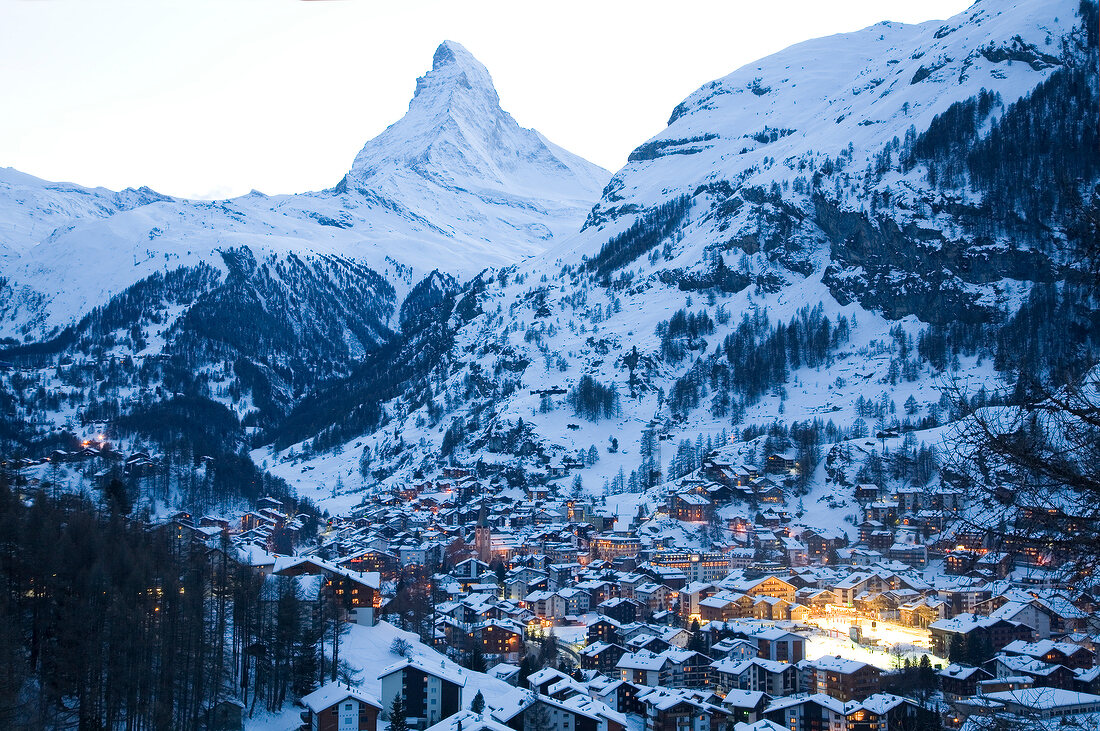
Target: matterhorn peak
[
  {"x": 457, "y": 84},
  {"x": 456, "y": 134}
]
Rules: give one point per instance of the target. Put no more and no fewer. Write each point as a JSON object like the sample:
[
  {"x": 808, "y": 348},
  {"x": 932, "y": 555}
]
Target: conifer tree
[{"x": 398, "y": 721}]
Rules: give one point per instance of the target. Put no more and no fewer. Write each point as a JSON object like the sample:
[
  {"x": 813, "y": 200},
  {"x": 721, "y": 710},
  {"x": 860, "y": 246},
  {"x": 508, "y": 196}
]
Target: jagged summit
[
  {"x": 453, "y": 69},
  {"x": 456, "y": 135}
]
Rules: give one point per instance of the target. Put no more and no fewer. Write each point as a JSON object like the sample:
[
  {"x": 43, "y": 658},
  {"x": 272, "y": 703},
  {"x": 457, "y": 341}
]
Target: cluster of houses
[
  {"x": 109, "y": 463},
  {"x": 684, "y": 638},
  {"x": 747, "y": 689}
]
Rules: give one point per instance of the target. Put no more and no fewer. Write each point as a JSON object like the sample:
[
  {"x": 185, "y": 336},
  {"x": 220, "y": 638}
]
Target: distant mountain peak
[
  {"x": 456, "y": 135},
  {"x": 455, "y": 68}
]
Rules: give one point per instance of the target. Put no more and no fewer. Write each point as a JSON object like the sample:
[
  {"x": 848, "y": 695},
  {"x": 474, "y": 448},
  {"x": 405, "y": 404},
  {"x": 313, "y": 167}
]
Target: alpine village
[{"x": 790, "y": 424}]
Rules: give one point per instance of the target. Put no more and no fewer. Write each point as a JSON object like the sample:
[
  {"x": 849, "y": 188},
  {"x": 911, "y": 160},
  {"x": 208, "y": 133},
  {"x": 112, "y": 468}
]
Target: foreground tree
[{"x": 1032, "y": 469}]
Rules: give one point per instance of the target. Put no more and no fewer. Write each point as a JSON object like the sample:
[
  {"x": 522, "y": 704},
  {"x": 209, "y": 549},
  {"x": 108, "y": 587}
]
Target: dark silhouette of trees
[
  {"x": 644, "y": 234},
  {"x": 110, "y": 623},
  {"x": 592, "y": 400}
]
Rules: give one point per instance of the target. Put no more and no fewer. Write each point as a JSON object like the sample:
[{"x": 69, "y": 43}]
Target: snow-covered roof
[
  {"x": 442, "y": 670},
  {"x": 469, "y": 721},
  {"x": 641, "y": 661},
  {"x": 837, "y": 664},
  {"x": 329, "y": 695},
  {"x": 1044, "y": 698}
]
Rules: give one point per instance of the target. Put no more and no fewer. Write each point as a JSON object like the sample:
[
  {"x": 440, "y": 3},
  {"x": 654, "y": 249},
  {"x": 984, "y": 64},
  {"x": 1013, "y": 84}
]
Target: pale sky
[{"x": 212, "y": 98}]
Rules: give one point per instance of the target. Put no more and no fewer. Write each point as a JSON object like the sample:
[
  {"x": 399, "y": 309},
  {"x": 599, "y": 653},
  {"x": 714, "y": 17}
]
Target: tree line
[{"x": 111, "y": 623}]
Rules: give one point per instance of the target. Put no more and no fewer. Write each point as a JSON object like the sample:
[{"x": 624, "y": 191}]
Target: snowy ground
[{"x": 820, "y": 643}]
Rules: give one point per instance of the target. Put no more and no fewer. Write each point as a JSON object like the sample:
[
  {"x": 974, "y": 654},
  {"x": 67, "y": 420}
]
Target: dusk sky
[{"x": 208, "y": 98}]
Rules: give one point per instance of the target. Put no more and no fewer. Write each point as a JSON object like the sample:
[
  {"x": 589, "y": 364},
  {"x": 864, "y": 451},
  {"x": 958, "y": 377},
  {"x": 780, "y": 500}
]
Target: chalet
[
  {"x": 667, "y": 710},
  {"x": 724, "y": 606},
  {"x": 960, "y": 561},
  {"x": 997, "y": 564},
  {"x": 502, "y": 639},
  {"x": 770, "y": 607},
  {"x": 990, "y": 632},
  {"x": 469, "y": 721},
  {"x": 795, "y": 552},
  {"x": 1087, "y": 681},
  {"x": 839, "y": 677},
  {"x": 604, "y": 629},
  {"x": 619, "y": 695},
  {"x": 1046, "y": 703},
  {"x": 866, "y": 493},
  {"x": 779, "y": 645},
  {"x": 921, "y": 612},
  {"x": 549, "y": 681},
  {"x": 961, "y": 681},
  {"x": 772, "y": 586},
  {"x": 770, "y": 493},
  {"x": 601, "y": 656},
  {"x": 576, "y": 600},
  {"x": 647, "y": 641},
  {"x": 806, "y": 712},
  {"x": 733, "y": 648},
  {"x": 505, "y": 671},
  {"x": 778, "y": 463},
  {"x": 687, "y": 669},
  {"x": 1040, "y": 673},
  {"x": 228, "y": 715},
  {"x": 643, "y": 668},
  {"x": 691, "y": 507},
  {"x": 337, "y": 707},
  {"x": 885, "y": 711},
  {"x": 654, "y": 597},
  {"x": 387, "y": 564},
  {"x": 821, "y": 542},
  {"x": 766, "y": 676},
  {"x": 744, "y": 706},
  {"x": 620, "y": 609},
  {"x": 581, "y": 713},
  {"x": 356, "y": 593},
  {"x": 431, "y": 692},
  {"x": 1058, "y": 653}
]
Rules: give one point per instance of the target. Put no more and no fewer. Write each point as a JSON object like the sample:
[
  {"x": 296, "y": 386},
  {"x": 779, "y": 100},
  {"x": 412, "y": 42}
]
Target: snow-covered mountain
[
  {"x": 813, "y": 245},
  {"x": 458, "y": 148},
  {"x": 827, "y": 234},
  {"x": 455, "y": 185}
]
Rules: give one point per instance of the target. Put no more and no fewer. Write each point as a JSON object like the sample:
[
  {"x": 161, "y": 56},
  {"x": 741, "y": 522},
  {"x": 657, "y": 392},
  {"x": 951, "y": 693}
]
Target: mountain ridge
[{"x": 406, "y": 216}]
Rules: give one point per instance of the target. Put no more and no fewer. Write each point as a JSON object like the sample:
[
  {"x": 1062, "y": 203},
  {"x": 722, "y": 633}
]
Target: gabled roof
[
  {"x": 743, "y": 698},
  {"x": 1043, "y": 698},
  {"x": 837, "y": 664},
  {"x": 443, "y": 670},
  {"x": 825, "y": 701},
  {"x": 879, "y": 704},
  {"x": 329, "y": 695},
  {"x": 965, "y": 622},
  {"x": 469, "y": 721},
  {"x": 1042, "y": 647},
  {"x": 641, "y": 661},
  {"x": 960, "y": 672}
]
